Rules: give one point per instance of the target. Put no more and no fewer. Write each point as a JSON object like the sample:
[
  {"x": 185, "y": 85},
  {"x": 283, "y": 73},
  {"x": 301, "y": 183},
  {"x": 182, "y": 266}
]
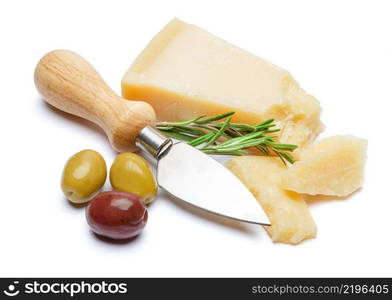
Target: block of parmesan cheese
[
  {"x": 289, "y": 215},
  {"x": 186, "y": 72},
  {"x": 333, "y": 166}
]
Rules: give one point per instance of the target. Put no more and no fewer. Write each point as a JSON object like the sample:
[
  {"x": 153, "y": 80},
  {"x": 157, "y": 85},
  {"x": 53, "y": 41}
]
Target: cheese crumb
[
  {"x": 288, "y": 212},
  {"x": 333, "y": 166}
]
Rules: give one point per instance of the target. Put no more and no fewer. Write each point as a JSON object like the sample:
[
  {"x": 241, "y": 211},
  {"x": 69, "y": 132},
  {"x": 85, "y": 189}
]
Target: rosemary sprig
[{"x": 214, "y": 136}]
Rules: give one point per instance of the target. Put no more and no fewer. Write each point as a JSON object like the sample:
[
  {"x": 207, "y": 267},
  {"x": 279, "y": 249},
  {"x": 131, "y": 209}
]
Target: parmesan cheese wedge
[
  {"x": 289, "y": 215},
  {"x": 333, "y": 166},
  {"x": 185, "y": 72}
]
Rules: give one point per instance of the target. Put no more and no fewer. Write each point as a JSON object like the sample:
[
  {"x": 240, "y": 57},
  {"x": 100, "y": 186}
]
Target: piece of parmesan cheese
[
  {"x": 289, "y": 215},
  {"x": 333, "y": 166},
  {"x": 185, "y": 72}
]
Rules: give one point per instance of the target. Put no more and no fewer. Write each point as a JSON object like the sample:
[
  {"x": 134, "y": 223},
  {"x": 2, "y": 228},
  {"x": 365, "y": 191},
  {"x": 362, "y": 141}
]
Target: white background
[{"x": 339, "y": 51}]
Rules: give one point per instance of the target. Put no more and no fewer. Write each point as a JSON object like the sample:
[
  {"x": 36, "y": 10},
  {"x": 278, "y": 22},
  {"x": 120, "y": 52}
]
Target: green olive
[
  {"x": 83, "y": 176},
  {"x": 131, "y": 173}
]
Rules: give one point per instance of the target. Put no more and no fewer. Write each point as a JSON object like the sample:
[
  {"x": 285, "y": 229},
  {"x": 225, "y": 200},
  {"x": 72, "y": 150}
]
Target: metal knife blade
[{"x": 196, "y": 178}]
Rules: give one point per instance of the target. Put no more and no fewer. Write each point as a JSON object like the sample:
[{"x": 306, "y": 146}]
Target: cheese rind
[
  {"x": 333, "y": 166},
  {"x": 289, "y": 215},
  {"x": 186, "y": 72}
]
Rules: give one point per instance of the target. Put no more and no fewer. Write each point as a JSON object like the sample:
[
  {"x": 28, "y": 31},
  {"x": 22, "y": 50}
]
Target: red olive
[{"x": 117, "y": 214}]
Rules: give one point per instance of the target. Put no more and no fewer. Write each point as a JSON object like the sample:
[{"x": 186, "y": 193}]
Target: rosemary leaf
[
  {"x": 213, "y": 136},
  {"x": 287, "y": 156},
  {"x": 179, "y": 136},
  {"x": 279, "y": 154},
  {"x": 190, "y": 129},
  {"x": 242, "y": 139},
  {"x": 201, "y": 140},
  {"x": 214, "y": 118},
  {"x": 269, "y": 121},
  {"x": 218, "y": 133},
  {"x": 263, "y": 149},
  {"x": 246, "y": 127},
  {"x": 247, "y": 144},
  {"x": 272, "y": 130},
  {"x": 164, "y": 128},
  {"x": 287, "y": 147},
  {"x": 237, "y": 152}
]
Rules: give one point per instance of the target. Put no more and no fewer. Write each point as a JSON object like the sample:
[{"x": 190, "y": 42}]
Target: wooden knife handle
[{"x": 68, "y": 82}]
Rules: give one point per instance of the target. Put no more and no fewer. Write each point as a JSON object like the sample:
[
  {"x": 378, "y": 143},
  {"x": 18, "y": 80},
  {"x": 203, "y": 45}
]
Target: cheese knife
[{"x": 68, "y": 82}]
